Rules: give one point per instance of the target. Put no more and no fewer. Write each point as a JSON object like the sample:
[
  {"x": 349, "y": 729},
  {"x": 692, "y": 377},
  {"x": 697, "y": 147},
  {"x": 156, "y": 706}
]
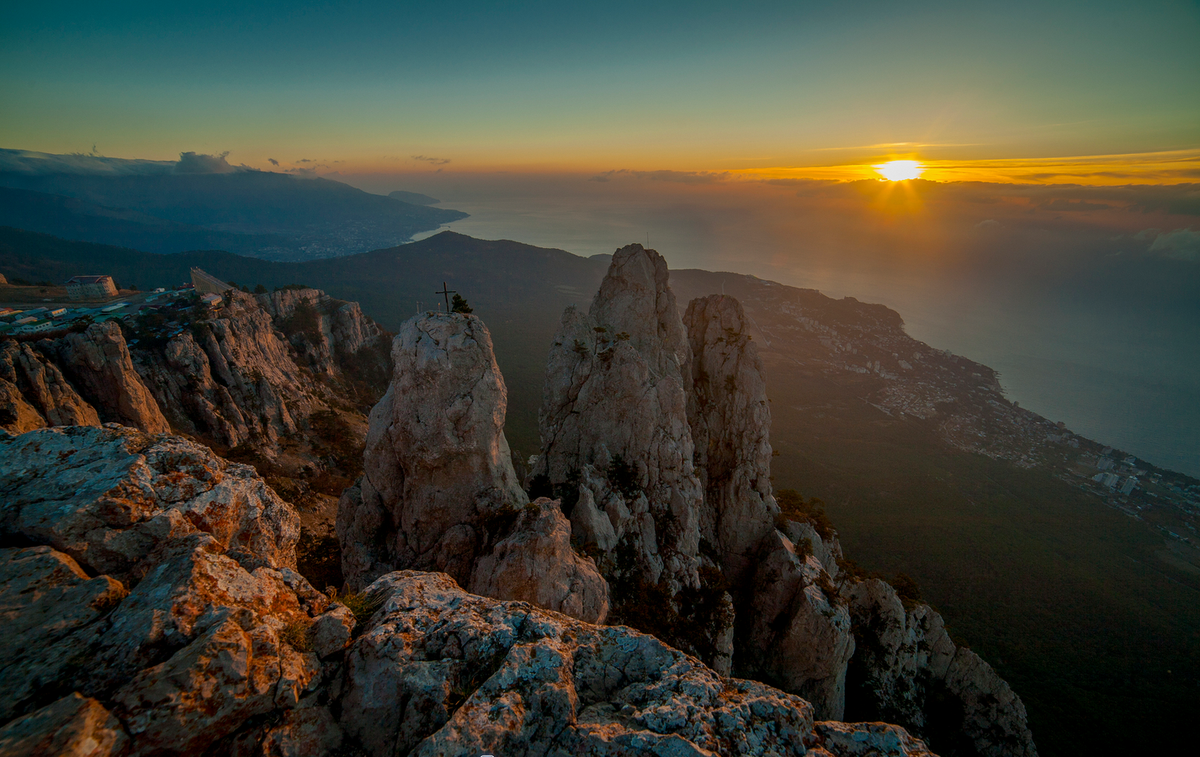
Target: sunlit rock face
[
  {"x": 149, "y": 611},
  {"x": 614, "y": 425},
  {"x": 439, "y": 491},
  {"x": 110, "y": 496},
  {"x": 99, "y": 364},
  {"x": 32, "y": 385}
]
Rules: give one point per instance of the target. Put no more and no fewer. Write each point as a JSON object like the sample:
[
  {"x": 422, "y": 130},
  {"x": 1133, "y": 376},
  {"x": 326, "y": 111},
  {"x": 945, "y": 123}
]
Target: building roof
[{"x": 89, "y": 279}]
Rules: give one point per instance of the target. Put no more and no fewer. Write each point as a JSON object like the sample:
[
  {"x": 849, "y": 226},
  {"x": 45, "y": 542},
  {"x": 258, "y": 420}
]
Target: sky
[
  {"x": 1089, "y": 92},
  {"x": 1055, "y": 234}
]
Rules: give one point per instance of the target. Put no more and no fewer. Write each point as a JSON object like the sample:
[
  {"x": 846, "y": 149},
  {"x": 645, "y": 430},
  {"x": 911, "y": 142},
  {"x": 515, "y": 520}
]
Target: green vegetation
[
  {"x": 363, "y": 604},
  {"x": 459, "y": 305},
  {"x": 297, "y": 634},
  {"x": 691, "y": 621},
  {"x": 1065, "y": 597},
  {"x": 793, "y": 506},
  {"x": 305, "y": 320},
  {"x": 623, "y": 477}
]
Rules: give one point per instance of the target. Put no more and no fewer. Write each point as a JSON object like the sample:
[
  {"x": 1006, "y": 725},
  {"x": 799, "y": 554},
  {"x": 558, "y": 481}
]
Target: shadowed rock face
[
  {"x": 731, "y": 422},
  {"x": 439, "y": 491},
  {"x": 203, "y": 647}
]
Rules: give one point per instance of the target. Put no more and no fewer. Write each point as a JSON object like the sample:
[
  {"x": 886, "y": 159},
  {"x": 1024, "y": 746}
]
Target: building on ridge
[
  {"x": 91, "y": 287},
  {"x": 206, "y": 283}
]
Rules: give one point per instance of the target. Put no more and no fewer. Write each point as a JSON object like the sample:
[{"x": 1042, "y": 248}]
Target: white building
[{"x": 91, "y": 287}]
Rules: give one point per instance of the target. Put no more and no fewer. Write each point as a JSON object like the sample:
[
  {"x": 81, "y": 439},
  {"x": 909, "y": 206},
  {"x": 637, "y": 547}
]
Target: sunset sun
[{"x": 899, "y": 170}]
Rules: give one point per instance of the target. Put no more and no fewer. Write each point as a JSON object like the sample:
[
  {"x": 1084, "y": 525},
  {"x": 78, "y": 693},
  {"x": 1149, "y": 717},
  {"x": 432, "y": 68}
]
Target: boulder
[
  {"x": 108, "y": 496},
  {"x": 799, "y": 632},
  {"x": 73, "y": 726},
  {"x": 535, "y": 563}
]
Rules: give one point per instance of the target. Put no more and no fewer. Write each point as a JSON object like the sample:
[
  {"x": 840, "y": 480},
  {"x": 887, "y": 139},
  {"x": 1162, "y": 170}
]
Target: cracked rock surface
[{"x": 439, "y": 491}]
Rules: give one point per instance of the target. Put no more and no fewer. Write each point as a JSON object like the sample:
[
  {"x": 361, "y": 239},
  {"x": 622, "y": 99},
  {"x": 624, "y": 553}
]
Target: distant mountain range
[{"x": 201, "y": 202}]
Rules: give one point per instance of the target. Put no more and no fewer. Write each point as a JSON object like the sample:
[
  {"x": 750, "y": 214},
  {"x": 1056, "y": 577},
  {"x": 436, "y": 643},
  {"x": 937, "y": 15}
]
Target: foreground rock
[
  {"x": 439, "y": 491},
  {"x": 195, "y": 649},
  {"x": 108, "y": 497},
  {"x": 475, "y": 676}
]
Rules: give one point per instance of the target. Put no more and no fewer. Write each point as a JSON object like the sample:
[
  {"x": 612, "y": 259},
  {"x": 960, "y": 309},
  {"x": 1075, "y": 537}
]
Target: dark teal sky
[{"x": 688, "y": 86}]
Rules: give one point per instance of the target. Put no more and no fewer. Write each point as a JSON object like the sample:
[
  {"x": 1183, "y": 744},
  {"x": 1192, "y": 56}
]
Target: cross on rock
[{"x": 446, "y": 293}]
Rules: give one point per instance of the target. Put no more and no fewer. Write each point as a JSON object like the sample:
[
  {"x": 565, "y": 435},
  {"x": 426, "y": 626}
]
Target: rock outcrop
[
  {"x": 99, "y": 365},
  {"x": 475, "y": 676},
  {"x": 615, "y": 436},
  {"x": 906, "y": 660},
  {"x": 197, "y": 648},
  {"x": 439, "y": 491},
  {"x": 731, "y": 423},
  {"x": 657, "y": 442},
  {"x": 41, "y": 387},
  {"x": 109, "y": 497},
  {"x": 327, "y": 334}
]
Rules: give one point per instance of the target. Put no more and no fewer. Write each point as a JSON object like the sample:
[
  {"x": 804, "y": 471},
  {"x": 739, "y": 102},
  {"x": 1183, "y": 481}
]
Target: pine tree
[{"x": 459, "y": 305}]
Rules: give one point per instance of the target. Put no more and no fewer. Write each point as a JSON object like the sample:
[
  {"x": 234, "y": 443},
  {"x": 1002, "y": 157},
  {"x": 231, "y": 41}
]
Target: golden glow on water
[{"x": 899, "y": 170}]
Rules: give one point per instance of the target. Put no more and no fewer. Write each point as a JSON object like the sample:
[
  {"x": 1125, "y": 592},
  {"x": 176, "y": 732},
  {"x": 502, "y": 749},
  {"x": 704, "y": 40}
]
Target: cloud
[
  {"x": 678, "y": 177},
  {"x": 272, "y": 161},
  {"x": 1180, "y": 244},
  {"x": 191, "y": 162},
  {"x": 1072, "y": 206},
  {"x": 988, "y": 225},
  {"x": 308, "y": 172},
  {"x": 431, "y": 160}
]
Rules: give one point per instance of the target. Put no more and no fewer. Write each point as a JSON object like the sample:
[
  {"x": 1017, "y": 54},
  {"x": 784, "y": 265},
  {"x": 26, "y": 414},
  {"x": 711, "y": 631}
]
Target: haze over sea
[{"x": 1086, "y": 325}]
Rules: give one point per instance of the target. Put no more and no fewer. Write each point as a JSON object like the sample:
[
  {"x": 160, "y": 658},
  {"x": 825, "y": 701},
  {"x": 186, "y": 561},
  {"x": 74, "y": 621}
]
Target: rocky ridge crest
[
  {"x": 170, "y": 622},
  {"x": 796, "y": 615}
]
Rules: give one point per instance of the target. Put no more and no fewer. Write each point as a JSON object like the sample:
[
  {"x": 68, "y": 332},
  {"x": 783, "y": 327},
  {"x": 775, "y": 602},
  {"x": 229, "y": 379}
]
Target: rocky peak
[
  {"x": 616, "y": 444},
  {"x": 439, "y": 491},
  {"x": 730, "y": 422},
  {"x": 635, "y": 299}
]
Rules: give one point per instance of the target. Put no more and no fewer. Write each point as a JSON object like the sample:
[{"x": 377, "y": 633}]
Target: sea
[{"x": 1122, "y": 369}]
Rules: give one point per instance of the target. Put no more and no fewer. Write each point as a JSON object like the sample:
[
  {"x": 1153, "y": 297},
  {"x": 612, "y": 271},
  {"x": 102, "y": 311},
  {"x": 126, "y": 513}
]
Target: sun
[{"x": 899, "y": 170}]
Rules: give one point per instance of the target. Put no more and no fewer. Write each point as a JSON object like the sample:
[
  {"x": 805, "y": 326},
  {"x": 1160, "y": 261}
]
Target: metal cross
[{"x": 446, "y": 293}]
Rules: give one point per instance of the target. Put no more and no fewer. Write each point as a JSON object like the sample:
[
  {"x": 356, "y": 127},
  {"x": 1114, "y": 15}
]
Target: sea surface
[{"x": 1124, "y": 371}]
